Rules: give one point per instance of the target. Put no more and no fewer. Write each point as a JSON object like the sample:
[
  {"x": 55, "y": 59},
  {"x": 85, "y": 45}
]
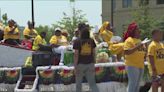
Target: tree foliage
[
  {"x": 4, "y": 19},
  {"x": 145, "y": 21},
  {"x": 47, "y": 29},
  {"x": 70, "y": 23}
]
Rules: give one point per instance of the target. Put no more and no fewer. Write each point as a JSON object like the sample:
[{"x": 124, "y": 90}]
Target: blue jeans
[{"x": 134, "y": 78}]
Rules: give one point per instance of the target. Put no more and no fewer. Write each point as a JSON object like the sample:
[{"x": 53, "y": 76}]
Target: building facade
[{"x": 123, "y": 9}]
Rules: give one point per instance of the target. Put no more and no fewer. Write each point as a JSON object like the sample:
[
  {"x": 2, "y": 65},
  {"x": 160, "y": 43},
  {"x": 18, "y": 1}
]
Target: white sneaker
[{"x": 61, "y": 64}]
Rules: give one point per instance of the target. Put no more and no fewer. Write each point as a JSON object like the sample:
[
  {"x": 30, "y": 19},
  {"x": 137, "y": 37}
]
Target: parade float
[
  {"x": 12, "y": 56},
  {"x": 110, "y": 76}
]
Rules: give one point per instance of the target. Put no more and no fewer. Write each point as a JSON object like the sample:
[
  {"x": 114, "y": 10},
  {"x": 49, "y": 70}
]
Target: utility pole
[
  {"x": 32, "y": 11},
  {"x": 112, "y": 11}
]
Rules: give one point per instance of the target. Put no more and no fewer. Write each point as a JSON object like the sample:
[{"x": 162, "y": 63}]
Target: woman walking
[
  {"x": 84, "y": 59},
  {"x": 134, "y": 57}
]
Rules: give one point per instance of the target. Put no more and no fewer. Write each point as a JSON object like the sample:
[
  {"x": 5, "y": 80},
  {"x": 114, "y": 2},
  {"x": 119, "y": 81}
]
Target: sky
[{"x": 47, "y": 12}]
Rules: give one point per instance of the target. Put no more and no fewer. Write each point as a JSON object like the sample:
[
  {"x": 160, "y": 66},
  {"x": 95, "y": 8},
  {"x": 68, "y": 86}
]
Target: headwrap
[
  {"x": 104, "y": 26},
  {"x": 130, "y": 31}
]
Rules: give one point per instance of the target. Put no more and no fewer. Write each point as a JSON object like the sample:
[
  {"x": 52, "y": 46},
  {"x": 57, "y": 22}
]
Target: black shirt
[{"x": 85, "y": 48}]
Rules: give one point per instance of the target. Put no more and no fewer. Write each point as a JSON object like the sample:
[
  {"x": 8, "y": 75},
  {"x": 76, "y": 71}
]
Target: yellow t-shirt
[
  {"x": 38, "y": 40},
  {"x": 106, "y": 35},
  {"x": 86, "y": 49},
  {"x": 135, "y": 59},
  {"x": 59, "y": 40},
  {"x": 156, "y": 49},
  {"x": 11, "y": 36},
  {"x": 33, "y": 33}
]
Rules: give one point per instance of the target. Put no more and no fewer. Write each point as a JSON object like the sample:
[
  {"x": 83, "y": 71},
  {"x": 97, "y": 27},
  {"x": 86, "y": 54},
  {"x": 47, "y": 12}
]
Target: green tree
[
  {"x": 4, "y": 18},
  {"x": 68, "y": 22},
  {"x": 145, "y": 21},
  {"x": 160, "y": 24},
  {"x": 47, "y": 29},
  {"x": 71, "y": 23},
  {"x": 72, "y": 0}
]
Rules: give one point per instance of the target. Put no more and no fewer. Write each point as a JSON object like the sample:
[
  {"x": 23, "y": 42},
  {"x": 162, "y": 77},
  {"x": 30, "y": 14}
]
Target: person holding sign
[{"x": 134, "y": 51}]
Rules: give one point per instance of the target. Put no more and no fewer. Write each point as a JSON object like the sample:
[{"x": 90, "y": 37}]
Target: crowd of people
[{"x": 134, "y": 51}]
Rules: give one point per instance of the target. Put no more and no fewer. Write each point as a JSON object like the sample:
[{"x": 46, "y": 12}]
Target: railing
[{"x": 109, "y": 77}]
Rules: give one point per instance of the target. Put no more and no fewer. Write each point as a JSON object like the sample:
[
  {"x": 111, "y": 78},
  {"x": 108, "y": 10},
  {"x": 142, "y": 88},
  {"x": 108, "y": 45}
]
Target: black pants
[{"x": 12, "y": 41}]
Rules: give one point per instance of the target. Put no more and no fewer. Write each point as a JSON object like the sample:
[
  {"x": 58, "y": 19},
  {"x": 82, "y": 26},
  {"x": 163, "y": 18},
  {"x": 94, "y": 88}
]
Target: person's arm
[
  {"x": 76, "y": 47},
  {"x": 35, "y": 33},
  {"x": 94, "y": 50},
  {"x": 154, "y": 72},
  {"x": 16, "y": 31},
  {"x": 12, "y": 31},
  {"x": 94, "y": 55},
  {"x": 27, "y": 36},
  {"x": 40, "y": 44},
  {"x": 132, "y": 50},
  {"x": 76, "y": 56},
  {"x": 26, "y": 33}
]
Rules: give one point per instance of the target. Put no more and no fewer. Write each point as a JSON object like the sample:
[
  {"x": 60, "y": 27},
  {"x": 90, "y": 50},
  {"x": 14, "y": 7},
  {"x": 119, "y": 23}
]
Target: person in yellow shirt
[
  {"x": 156, "y": 60},
  {"x": 106, "y": 32},
  {"x": 11, "y": 33},
  {"x": 39, "y": 41},
  {"x": 29, "y": 32},
  {"x": 134, "y": 57},
  {"x": 59, "y": 44}
]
